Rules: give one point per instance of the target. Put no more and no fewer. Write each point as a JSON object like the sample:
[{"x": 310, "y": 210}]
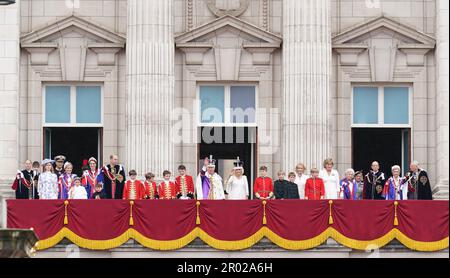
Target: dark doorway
[
  {"x": 232, "y": 143},
  {"x": 76, "y": 144},
  {"x": 388, "y": 146}
]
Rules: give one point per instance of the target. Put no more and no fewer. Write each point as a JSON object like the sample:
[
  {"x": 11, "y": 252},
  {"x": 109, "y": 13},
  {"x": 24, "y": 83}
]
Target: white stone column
[
  {"x": 9, "y": 90},
  {"x": 306, "y": 72},
  {"x": 150, "y": 86},
  {"x": 442, "y": 60}
]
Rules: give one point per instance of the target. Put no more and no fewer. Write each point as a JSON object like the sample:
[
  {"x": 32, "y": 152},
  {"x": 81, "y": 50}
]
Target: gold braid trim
[{"x": 244, "y": 243}]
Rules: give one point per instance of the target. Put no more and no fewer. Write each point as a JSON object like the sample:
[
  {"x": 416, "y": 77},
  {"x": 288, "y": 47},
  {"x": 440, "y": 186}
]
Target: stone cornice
[
  {"x": 386, "y": 22},
  {"x": 72, "y": 21},
  {"x": 223, "y": 22}
]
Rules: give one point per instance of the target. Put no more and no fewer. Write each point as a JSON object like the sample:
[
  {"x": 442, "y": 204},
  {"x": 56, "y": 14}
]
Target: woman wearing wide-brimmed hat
[{"x": 48, "y": 182}]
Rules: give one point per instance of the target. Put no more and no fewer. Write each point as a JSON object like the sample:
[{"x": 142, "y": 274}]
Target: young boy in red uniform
[
  {"x": 314, "y": 187},
  {"x": 151, "y": 191},
  {"x": 263, "y": 186},
  {"x": 167, "y": 189},
  {"x": 184, "y": 184},
  {"x": 134, "y": 189}
]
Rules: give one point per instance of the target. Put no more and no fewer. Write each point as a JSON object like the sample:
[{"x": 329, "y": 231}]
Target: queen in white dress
[
  {"x": 48, "y": 182},
  {"x": 237, "y": 183},
  {"x": 330, "y": 179}
]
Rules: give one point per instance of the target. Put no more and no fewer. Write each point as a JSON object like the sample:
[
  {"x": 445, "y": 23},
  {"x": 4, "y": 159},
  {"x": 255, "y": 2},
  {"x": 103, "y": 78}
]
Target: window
[
  {"x": 88, "y": 104},
  {"x": 396, "y": 105},
  {"x": 381, "y": 106},
  {"x": 57, "y": 103},
  {"x": 72, "y": 105},
  {"x": 365, "y": 105},
  {"x": 243, "y": 103},
  {"x": 212, "y": 104},
  {"x": 227, "y": 105}
]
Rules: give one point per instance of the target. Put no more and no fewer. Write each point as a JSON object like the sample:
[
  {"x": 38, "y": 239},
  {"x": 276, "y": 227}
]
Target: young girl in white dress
[
  {"x": 48, "y": 188},
  {"x": 77, "y": 191},
  {"x": 237, "y": 183}
]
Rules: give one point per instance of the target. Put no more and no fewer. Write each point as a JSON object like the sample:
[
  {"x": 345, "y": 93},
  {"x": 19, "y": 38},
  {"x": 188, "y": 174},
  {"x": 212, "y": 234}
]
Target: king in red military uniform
[
  {"x": 151, "y": 192},
  {"x": 134, "y": 189},
  {"x": 184, "y": 184},
  {"x": 167, "y": 189},
  {"x": 263, "y": 186}
]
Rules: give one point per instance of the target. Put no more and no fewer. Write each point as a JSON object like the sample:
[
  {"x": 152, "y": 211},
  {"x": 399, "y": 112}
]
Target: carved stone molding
[
  {"x": 227, "y": 8},
  {"x": 242, "y": 38},
  {"x": 39, "y": 52},
  {"x": 265, "y": 14},
  {"x": 415, "y": 53},
  {"x": 72, "y": 53},
  {"x": 349, "y": 53},
  {"x": 382, "y": 55},
  {"x": 261, "y": 53},
  {"x": 189, "y": 15},
  {"x": 194, "y": 52}
]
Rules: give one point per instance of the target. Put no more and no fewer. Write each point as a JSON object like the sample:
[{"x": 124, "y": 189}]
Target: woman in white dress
[
  {"x": 237, "y": 183},
  {"x": 48, "y": 182},
  {"x": 331, "y": 179}
]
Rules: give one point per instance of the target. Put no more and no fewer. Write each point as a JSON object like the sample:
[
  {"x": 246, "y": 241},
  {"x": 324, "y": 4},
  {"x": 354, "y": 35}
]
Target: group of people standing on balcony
[{"x": 57, "y": 181}]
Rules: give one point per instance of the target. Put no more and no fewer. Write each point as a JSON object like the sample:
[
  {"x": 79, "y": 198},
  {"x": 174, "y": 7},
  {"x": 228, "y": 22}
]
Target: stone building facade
[{"x": 347, "y": 79}]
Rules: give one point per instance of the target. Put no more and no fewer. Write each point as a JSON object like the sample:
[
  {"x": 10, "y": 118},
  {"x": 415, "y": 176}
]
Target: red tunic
[
  {"x": 263, "y": 186},
  {"x": 184, "y": 186},
  {"x": 134, "y": 190},
  {"x": 314, "y": 189},
  {"x": 150, "y": 190},
  {"x": 167, "y": 192}
]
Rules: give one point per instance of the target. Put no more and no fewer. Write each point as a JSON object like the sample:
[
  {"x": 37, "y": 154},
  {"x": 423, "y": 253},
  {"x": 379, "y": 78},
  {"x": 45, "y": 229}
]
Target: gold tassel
[
  {"x": 264, "y": 216},
  {"x": 66, "y": 220},
  {"x": 330, "y": 219},
  {"x": 197, "y": 221},
  {"x": 131, "y": 213},
  {"x": 395, "y": 213}
]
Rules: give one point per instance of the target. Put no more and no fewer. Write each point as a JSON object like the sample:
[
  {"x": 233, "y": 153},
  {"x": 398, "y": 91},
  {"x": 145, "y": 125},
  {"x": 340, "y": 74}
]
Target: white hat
[{"x": 46, "y": 161}]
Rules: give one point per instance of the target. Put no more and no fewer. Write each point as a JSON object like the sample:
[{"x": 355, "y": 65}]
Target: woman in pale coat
[
  {"x": 48, "y": 188},
  {"x": 237, "y": 183},
  {"x": 331, "y": 179}
]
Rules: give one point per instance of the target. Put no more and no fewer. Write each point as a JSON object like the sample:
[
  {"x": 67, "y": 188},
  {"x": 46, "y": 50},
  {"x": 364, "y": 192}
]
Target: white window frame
[
  {"x": 227, "y": 103},
  {"x": 381, "y": 123},
  {"x": 73, "y": 105}
]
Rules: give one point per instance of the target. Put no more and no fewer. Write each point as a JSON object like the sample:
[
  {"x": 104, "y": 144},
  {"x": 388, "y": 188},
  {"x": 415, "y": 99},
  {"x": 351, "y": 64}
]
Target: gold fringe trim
[
  {"x": 395, "y": 213},
  {"x": 264, "y": 215},
  {"x": 164, "y": 245},
  {"x": 362, "y": 244},
  {"x": 231, "y": 245},
  {"x": 197, "y": 220},
  {"x": 167, "y": 245},
  {"x": 66, "y": 219},
  {"x": 421, "y": 246},
  {"x": 330, "y": 219},
  {"x": 82, "y": 242},
  {"x": 296, "y": 244}
]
